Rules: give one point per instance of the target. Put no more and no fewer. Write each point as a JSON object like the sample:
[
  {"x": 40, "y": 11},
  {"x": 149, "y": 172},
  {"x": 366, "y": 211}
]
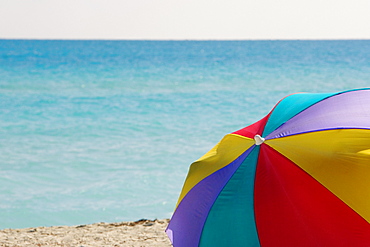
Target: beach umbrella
[{"x": 298, "y": 177}]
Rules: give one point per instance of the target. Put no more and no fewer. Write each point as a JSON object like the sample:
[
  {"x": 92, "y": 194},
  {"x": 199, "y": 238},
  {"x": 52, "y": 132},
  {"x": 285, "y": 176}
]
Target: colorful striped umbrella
[{"x": 298, "y": 177}]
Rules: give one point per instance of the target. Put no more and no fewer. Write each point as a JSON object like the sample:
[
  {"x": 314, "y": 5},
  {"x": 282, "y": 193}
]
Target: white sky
[{"x": 185, "y": 19}]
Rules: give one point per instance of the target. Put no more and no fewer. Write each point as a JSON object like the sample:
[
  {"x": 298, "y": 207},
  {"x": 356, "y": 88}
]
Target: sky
[{"x": 185, "y": 19}]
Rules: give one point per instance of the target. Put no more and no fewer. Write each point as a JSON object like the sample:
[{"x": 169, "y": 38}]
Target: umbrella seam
[
  {"x": 252, "y": 148},
  {"x": 330, "y": 96}
]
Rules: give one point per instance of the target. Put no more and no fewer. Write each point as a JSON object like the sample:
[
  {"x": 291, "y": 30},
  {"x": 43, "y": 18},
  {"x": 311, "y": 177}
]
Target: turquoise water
[{"x": 96, "y": 131}]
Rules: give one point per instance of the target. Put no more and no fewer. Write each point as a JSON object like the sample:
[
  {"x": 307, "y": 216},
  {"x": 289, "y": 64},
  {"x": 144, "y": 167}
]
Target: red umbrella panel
[{"x": 298, "y": 177}]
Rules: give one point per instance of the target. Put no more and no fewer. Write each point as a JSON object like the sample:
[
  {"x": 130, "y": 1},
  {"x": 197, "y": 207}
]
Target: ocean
[{"x": 105, "y": 131}]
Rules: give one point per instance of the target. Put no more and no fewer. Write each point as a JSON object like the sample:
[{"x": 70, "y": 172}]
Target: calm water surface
[{"x": 96, "y": 131}]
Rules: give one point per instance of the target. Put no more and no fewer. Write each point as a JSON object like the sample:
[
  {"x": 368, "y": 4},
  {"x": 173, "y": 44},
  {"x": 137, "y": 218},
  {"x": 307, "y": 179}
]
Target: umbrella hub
[{"x": 258, "y": 140}]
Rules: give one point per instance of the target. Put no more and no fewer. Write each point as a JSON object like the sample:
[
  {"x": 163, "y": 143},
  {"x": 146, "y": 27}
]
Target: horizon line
[{"x": 251, "y": 39}]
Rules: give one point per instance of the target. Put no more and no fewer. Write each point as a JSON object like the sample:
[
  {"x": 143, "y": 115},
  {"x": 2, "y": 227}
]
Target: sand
[{"x": 130, "y": 234}]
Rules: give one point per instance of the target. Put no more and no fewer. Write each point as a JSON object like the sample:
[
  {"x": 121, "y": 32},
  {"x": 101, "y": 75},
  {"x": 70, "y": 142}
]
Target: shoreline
[{"x": 134, "y": 234}]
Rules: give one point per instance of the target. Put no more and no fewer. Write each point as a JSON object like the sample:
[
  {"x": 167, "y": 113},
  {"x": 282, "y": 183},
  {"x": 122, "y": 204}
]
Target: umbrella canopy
[{"x": 298, "y": 177}]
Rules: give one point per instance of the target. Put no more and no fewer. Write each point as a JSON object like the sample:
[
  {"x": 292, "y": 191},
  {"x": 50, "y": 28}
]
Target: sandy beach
[{"x": 131, "y": 234}]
